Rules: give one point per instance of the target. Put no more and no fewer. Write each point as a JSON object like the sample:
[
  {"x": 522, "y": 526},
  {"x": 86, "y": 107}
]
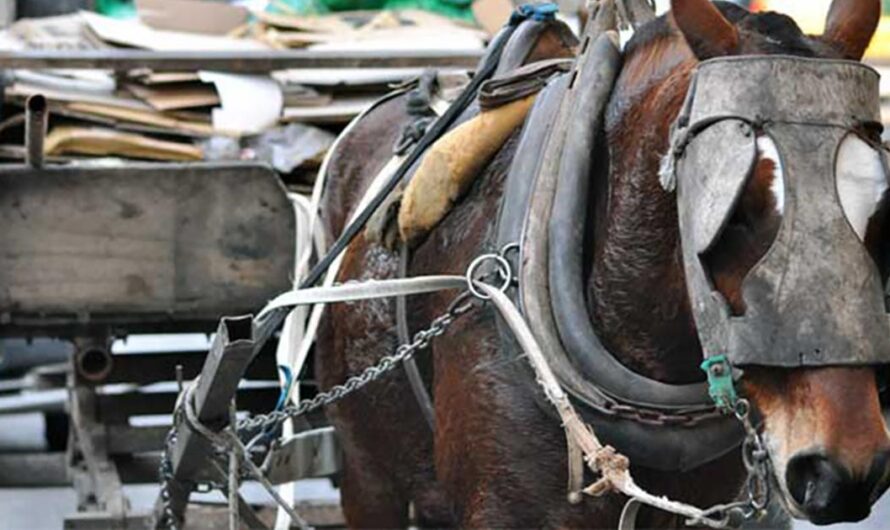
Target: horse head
[
  {"x": 824, "y": 429},
  {"x": 822, "y": 421}
]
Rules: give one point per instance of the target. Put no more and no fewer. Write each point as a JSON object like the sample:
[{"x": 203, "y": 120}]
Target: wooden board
[{"x": 141, "y": 243}]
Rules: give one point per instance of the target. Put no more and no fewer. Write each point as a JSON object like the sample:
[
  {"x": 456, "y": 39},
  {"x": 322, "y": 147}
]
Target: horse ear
[
  {"x": 707, "y": 31},
  {"x": 851, "y": 25}
]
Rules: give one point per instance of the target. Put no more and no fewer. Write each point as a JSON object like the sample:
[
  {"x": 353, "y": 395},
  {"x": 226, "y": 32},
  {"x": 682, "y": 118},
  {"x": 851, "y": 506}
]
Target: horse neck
[{"x": 637, "y": 287}]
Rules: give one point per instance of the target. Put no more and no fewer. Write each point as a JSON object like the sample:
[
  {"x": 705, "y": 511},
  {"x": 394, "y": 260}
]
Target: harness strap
[
  {"x": 418, "y": 387},
  {"x": 612, "y": 467},
  {"x": 432, "y": 134}
]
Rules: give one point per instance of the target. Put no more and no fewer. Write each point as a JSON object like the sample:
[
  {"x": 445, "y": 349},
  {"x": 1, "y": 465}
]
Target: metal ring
[
  {"x": 511, "y": 247},
  {"x": 742, "y": 409},
  {"x": 503, "y": 269}
]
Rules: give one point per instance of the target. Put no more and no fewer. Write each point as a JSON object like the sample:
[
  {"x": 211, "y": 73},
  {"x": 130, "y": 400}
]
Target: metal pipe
[
  {"x": 36, "y": 120},
  {"x": 93, "y": 363},
  {"x": 237, "y": 61}
]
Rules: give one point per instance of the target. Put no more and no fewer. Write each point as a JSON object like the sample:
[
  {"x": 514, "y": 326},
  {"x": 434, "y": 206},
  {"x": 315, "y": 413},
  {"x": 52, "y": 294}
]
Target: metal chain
[
  {"x": 169, "y": 519},
  {"x": 720, "y": 516},
  {"x": 420, "y": 341},
  {"x": 757, "y": 486}
]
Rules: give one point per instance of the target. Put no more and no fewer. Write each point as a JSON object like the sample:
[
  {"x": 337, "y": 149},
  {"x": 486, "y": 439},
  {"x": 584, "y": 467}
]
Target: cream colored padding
[{"x": 451, "y": 165}]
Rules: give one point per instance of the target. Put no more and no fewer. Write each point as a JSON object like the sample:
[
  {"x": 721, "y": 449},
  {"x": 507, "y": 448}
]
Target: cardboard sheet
[
  {"x": 176, "y": 96},
  {"x": 146, "y": 117},
  {"x": 109, "y": 142},
  {"x": 192, "y": 16},
  {"x": 339, "y": 111},
  {"x": 138, "y": 35}
]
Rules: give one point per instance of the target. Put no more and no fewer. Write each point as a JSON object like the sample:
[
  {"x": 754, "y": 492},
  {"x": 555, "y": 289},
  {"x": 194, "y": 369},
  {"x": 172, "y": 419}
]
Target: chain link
[
  {"x": 169, "y": 519},
  {"x": 720, "y": 516},
  {"x": 421, "y": 340},
  {"x": 757, "y": 485}
]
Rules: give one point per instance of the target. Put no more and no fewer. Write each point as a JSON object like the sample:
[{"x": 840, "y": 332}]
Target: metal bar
[
  {"x": 118, "y": 408},
  {"x": 311, "y": 454},
  {"x": 145, "y": 368},
  {"x": 237, "y": 61},
  {"x": 95, "y": 475},
  {"x": 212, "y": 516},
  {"x": 36, "y": 120},
  {"x": 230, "y": 354}
]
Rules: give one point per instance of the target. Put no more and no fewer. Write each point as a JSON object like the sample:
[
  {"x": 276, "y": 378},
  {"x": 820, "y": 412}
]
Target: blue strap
[
  {"x": 285, "y": 389},
  {"x": 538, "y": 12}
]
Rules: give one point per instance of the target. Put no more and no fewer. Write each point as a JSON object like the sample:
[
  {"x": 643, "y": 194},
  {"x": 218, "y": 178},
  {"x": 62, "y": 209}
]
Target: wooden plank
[
  {"x": 126, "y": 440},
  {"x": 207, "y": 516},
  {"x": 33, "y": 470},
  {"x": 46, "y": 470},
  {"x": 171, "y": 241}
]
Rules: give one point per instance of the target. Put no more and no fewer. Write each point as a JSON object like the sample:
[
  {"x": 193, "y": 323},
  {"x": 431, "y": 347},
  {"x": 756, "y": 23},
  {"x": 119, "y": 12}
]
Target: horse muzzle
[{"x": 825, "y": 491}]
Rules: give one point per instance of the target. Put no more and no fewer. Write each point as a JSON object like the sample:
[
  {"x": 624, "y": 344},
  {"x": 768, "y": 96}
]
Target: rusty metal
[
  {"x": 36, "y": 121},
  {"x": 189, "y": 453},
  {"x": 92, "y": 360}
]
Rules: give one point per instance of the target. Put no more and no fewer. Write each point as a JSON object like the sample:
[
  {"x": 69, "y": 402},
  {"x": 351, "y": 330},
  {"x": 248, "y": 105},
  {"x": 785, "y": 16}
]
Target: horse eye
[
  {"x": 861, "y": 182},
  {"x": 768, "y": 153}
]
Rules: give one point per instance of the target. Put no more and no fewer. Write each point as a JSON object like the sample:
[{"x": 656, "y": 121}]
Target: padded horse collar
[
  {"x": 515, "y": 53},
  {"x": 657, "y": 425}
]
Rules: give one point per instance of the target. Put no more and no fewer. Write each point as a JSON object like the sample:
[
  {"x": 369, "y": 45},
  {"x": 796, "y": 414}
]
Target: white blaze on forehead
[
  {"x": 767, "y": 150},
  {"x": 860, "y": 182}
]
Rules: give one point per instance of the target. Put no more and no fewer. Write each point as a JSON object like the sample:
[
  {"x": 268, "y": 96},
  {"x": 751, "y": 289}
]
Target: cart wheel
[{"x": 56, "y": 430}]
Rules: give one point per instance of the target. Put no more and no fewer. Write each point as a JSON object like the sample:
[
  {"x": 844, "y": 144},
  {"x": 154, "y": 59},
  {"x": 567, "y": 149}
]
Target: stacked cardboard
[{"x": 194, "y": 115}]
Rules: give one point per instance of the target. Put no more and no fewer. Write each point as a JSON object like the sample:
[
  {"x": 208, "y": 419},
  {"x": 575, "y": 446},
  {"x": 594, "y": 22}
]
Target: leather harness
[{"x": 657, "y": 425}]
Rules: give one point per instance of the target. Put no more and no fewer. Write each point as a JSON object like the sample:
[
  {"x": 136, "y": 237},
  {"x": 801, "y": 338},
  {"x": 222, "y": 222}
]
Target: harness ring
[{"x": 503, "y": 270}]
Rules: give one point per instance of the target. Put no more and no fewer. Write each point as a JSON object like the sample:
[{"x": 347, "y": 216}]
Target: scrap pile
[{"x": 288, "y": 118}]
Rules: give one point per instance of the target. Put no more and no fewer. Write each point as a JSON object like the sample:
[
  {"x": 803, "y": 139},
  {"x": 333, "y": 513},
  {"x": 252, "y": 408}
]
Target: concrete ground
[{"x": 45, "y": 508}]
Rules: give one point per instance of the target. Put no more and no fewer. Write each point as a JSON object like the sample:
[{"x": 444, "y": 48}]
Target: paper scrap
[{"x": 250, "y": 104}]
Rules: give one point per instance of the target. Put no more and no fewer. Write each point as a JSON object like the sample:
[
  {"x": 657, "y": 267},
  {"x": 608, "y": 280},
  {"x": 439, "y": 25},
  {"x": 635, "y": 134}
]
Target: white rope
[
  {"x": 301, "y": 325},
  {"x": 613, "y": 468}
]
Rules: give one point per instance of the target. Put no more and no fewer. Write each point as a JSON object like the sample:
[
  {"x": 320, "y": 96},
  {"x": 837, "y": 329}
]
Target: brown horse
[{"x": 497, "y": 459}]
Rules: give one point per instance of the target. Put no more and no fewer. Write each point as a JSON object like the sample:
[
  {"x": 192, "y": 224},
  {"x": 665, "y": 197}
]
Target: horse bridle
[{"x": 816, "y": 298}]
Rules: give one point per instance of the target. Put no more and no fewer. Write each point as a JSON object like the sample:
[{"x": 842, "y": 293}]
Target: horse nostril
[
  {"x": 804, "y": 475},
  {"x": 825, "y": 490},
  {"x": 878, "y": 479}
]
